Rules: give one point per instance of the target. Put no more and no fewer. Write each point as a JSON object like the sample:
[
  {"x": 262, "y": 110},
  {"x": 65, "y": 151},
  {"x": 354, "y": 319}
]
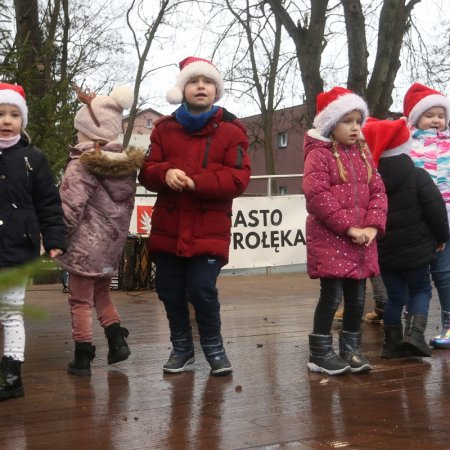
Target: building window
[
  {"x": 282, "y": 190},
  {"x": 282, "y": 140},
  {"x": 149, "y": 123}
]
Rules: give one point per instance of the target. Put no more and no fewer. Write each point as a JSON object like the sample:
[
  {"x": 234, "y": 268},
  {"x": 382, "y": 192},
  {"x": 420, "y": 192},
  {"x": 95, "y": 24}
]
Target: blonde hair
[{"x": 341, "y": 168}]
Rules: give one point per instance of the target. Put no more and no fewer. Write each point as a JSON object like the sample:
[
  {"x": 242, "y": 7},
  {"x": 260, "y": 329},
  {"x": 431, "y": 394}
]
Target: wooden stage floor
[{"x": 270, "y": 402}]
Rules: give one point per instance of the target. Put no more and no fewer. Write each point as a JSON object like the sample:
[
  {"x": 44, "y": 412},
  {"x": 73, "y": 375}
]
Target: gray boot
[
  {"x": 323, "y": 358},
  {"x": 413, "y": 339},
  {"x": 443, "y": 340},
  {"x": 349, "y": 350},
  {"x": 215, "y": 355},
  {"x": 182, "y": 353}
]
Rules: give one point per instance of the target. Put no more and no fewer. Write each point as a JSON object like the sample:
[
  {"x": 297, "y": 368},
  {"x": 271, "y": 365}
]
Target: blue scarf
[{"x": 191, "y": 121}]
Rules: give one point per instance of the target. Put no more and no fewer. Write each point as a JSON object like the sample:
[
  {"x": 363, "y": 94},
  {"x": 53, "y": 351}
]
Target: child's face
[
  {"x": 433, "y": 118},
  {"x": 200, "y": 94},
  {"x": 10, "y": 121},
  {"x": 347, "y": 131}
]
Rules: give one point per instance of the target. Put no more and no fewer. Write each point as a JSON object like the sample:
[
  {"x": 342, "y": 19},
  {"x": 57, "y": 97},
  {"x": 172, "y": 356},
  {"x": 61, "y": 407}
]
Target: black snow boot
[
  {"x": 393, "y": 336},
  {"x": 81, "y": 365},
  {"x": 414, "y": 339},
  {"x": 10, "y": 378},
  {"x": 323, "y": 358},
  {"x": 349, "y": 350},
  {"x": 118, "y": 347},
  {"x": 182, "y": 353},
  {"x": 216, "y": 356}
]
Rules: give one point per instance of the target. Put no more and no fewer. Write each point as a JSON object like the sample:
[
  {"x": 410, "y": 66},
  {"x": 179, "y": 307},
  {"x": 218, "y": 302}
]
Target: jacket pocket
[{"x": 214, "y": 220}]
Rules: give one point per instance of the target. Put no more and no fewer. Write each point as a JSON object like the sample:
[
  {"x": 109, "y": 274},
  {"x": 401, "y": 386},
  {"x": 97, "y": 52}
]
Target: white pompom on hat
[
  {"x": 192, "y": 67},
  {"x": 100, "y": 118},
  {"x": 387, "y": 138},
  {"x": 13, "y": 94},
  {"x": 333, "y": 105},
  {"x": 420, "y": 98}
]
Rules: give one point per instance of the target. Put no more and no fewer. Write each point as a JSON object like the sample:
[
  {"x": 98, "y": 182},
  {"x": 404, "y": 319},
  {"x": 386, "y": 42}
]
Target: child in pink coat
[{"x": 346, "y": 203}]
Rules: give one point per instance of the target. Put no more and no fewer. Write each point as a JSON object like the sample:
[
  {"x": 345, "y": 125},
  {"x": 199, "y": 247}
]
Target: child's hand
[
  {"x": 176, "y": 179},
  {"x": 54, "y": 252},
  {"x": 371, "y": 234},
  {"x": 357, "y": 235},
  {"x": 190, "y": 185},
  {"x": 440, "y": 247}
]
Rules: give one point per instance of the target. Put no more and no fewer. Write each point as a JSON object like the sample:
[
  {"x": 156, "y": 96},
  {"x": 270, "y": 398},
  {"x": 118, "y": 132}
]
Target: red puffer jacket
[
  {"x": 199, "y": 222},
  {"x": 335, "y": 205}
]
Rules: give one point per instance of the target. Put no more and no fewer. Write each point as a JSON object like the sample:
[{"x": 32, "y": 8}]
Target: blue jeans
[
  {"x": 331, "y": 292},
  {"x": 410, "y": 288},
  {"x": 179, "y": 280},
  {"x": 440, "y": 273}
]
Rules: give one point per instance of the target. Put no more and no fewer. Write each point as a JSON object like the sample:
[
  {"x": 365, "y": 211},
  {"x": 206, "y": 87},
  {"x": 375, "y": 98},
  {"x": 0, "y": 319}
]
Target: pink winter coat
[
  {"x": 97, "y": 193},
  {"x": 335, "y": 205}
]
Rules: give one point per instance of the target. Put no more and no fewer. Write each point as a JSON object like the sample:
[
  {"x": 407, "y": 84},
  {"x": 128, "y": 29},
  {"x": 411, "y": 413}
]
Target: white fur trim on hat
[
  {"x": 430, "y": 101},
  {"x": 401, "y": 149},
  {"x": 194, "y": 69},
  {"x": 11, "y": 97},
  {"x": 329, "y": 117}
]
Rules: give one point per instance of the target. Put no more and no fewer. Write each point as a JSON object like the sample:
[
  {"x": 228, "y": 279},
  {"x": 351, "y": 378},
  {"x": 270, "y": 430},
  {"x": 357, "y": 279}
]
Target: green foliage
[{"x": 19, "y": 276}]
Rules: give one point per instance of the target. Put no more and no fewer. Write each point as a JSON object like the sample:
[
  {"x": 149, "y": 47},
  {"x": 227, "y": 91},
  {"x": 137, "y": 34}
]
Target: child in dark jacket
[
  {"x": 346, "y": 208},
  {"x": 416, "y": 228},
  {"x": 30, "y": 207},
  {"x": 198, "y": 163}
]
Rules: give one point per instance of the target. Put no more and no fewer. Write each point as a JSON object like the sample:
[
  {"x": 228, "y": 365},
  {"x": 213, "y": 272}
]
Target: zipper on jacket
[
  {"x": 208, "y": 146},
  {"x": 28, "y": 169},
  {"x": 239, "y": 157}
]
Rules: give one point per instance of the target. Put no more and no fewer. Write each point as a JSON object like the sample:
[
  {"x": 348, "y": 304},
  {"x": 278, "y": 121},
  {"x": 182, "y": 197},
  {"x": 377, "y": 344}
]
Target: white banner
[{"x": 266, "y": 231}]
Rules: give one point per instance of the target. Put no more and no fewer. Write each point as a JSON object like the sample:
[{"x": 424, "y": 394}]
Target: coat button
[
  {"x": 1, "y": 222},
  {"x": 2, "y": 177}
]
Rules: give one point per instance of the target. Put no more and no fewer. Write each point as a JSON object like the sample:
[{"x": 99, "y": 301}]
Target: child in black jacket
[
  {"x": 416, "y": 228},
  {"x": 30, "y": 207}
]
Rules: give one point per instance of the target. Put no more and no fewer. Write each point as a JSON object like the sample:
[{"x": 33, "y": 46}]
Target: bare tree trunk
[
  {"x": 28, "y": 41},
  {"x": 357, "y": 46},
  {"x": 393, "y": 23},
  {"x": 309, "y": 43}
]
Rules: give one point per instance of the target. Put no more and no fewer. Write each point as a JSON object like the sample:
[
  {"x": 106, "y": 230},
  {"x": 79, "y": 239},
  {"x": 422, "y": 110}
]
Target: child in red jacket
[
  {"x": 346, "y": 204},
  {"x": 197, "y": 164}
]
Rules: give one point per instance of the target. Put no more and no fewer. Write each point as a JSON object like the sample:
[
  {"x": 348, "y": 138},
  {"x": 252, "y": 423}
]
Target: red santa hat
[
  {"x": 192, "y": 67},
  {"x": 100, "y": 118},
  {"x": 420, "y": 98},
  {"x": 387, "y": 137},
  {"x": 333, "y": 105},
  {"x": 13, "y": 94}
]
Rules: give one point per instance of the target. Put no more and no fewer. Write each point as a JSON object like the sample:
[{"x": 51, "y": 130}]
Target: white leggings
[{"x": 12, "y": 321}]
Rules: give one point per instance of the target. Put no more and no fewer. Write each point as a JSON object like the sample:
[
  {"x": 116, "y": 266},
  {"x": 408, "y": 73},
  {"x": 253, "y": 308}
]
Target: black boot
[
  {"x": 182, "y": 353},
  {"x": 118, "y": 347},
  {"x": 323, "y": 358},
  {"x": 215, "y": 355},
  {"x": 393, "y": 335},
  {"x": 414, "y": 339},
  {"x": 81, "y": 365},
  {"x": 349, "y": 350},
  {"x": 10, "y": 378}
]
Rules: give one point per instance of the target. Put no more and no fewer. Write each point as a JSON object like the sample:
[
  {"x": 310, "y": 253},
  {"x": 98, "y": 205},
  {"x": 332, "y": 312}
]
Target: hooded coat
[
  {"x": 215, "y": 157},
  {"x": 30, "y": 206},
  {"x": 335, "y": 205},
  {"x": 97, "y": 192},
  {"x": 417, "y": 217}
]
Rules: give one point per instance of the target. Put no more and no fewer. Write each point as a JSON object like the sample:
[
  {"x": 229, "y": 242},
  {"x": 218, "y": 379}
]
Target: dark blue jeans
[
  {"x": 331, "y": 292},
  {"x": 179, "y": 280},
  {"x": 440, "y": 273},
  {"x": 410, "y": 288}
]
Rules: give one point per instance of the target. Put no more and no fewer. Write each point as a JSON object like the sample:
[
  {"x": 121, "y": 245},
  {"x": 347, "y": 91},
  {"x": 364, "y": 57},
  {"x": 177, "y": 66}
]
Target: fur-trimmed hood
[{"x": 113, "y": 164}]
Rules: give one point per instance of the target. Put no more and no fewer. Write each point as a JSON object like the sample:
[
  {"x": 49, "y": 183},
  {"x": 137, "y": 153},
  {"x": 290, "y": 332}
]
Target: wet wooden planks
[{"x": 270, "y": 402}]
